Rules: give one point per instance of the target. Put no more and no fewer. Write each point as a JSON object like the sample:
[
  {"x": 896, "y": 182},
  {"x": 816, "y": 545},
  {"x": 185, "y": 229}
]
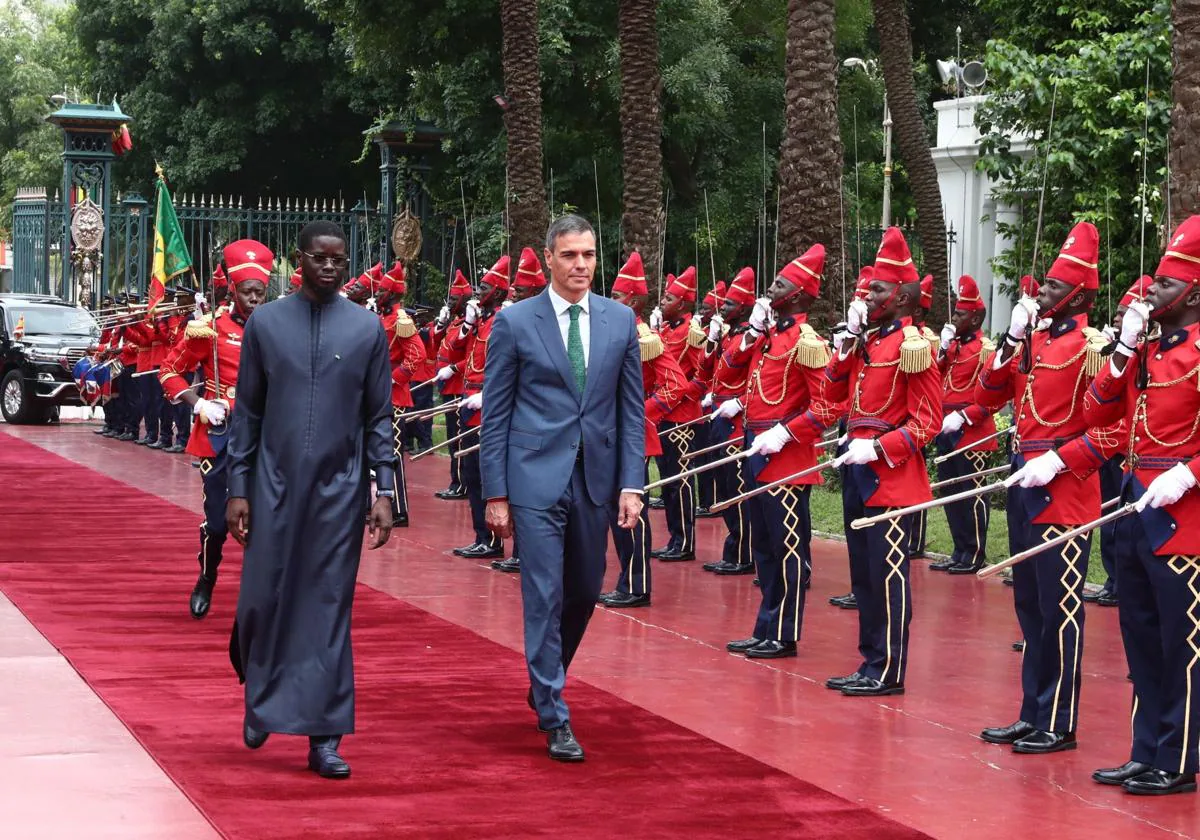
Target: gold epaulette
[
  {"x": 405, "y": 328},
  {"x": 916, "y": 355},
  {"x": 988, "y": 345},
  {"x": 935, "y": 341},
  {"x": 811, "y": 350},
  {"x": 200, "y": 328},
  {"x": 696, "y": 337},
  {"x": 1096, "y": 342},
  {"x": 649, "y": 342}
]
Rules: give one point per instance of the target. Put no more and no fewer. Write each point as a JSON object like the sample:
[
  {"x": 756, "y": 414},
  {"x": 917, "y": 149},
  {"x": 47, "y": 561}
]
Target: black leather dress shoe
[
  {"x": 1119, "y": 775},
  {"x": 459, "y": 551},
  {"x": 1019, "y": 647},
  {"x": 252, "y": 738},
  {"x": 1007, "y": 734},
  {"x": 1107, "y": 599},
  {"x": 726, "y": 569},
  {"x": 323, "y": 759},
  {"x": 201, "y": 598},
  {"x": 1160, "y": 783},
  {"x": 869, "y": 687},
  {"x": 964, "y": 568},
  {"x": 942, "y": 565},
  {"x": 743, "y": 645},
  {"x": 127, "y": 436},
  {"x": 836, "y": 600},
  {"x": 838, "y": 683},
  {"x": 479, "y": 551},
  {"x": 400, "y": 521},
  {"x": 175, "y": 449},
  {"x": 624, "y": 599},
  {"x": 511, "y": 564},
  {"x": 705, "y": 513},
  {"x": 1042, "y": 741},
  {"x": 845, "y": 602},
  {"x": 657, "y": 504},
  {"x": 1007, "y": 581},
  {"x": 772, "y": 649},
  {"x": 561, "y": 744},
  {"x": 451, "y": 493},
  {"x": 145, "y": 441},
  {"x": 712, "y": 567},
  {"x": 676, "y": 556},
  {"x": 659, "y": 552},
  {"x": 158, "y": 444}
]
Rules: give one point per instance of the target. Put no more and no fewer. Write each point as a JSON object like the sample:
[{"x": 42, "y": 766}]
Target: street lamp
[{"x": 871, "y": 68}]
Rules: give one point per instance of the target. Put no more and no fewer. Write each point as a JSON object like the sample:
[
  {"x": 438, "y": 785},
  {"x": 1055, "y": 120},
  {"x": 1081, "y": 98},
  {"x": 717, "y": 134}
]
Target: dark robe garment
[{"x": 313, "y": 411}]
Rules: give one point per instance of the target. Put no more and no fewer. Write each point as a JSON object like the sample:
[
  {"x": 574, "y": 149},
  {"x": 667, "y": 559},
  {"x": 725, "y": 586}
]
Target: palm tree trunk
[
  {"x": 526, "y": 201},
  {"x": 641, "y": 134},
  {"x": 810, "y": 155},
  {"x": 1184, "y": 146},
  {"x": 912, "y": 138}
]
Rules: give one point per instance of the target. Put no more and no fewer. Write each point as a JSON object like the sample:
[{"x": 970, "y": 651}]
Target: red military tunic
[
  {"x": 786, "y": 368},
  {"x": 454, "y": 386},
  {"x": 139, "y": 335},
  {"x": 663, "y": 382},
  {"x": 895, "y": 396},
  {"x": 1160, "y": 427},
  {"x": 962, "y": 364},
  {"x": 686, "y": 346},
  {"x": 730, "y": 375},
  {"x": 224, "y": 334},
  {"x": 160, "y": 342},
  {"x": 1048, "y": 412},
  {"x": 468, "y": 352},
  {"x": 406, "y": 352},
  {"x": 129, "y": 346},
  {"x": 430, "y": 342}
]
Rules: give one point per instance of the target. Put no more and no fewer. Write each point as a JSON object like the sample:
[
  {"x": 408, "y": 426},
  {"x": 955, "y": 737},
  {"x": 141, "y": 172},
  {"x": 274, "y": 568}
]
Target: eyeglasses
[{"x": 322, "y": 259}]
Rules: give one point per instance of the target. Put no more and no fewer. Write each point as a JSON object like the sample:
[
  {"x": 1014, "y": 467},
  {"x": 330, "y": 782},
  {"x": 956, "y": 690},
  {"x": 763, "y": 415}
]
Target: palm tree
[
  {"x": 526, "y": 203},
  {"x": 1184, "y": 145},
  {"x": 641, "y": 132},
  {"x": 810, "y": 155},
  {"x": 912, "y": 138}
]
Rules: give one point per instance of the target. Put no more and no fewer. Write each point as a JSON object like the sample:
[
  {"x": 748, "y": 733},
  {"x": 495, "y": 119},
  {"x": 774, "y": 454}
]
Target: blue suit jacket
[{"x": 534, "y": 417}]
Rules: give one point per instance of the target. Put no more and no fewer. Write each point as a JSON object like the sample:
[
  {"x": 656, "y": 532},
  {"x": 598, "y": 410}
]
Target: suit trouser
[
  {"x": 1110, "y": 487},
  {"x": 421, "y": 431},
  {"x": 473, "y": 482},
  {"x": 633, "y": 550},
  {"x": 1160, "y": 626},
  {"x": 679, "y": 503},
  {"x": 215, "y": 493},
  {"x": 453, "y": 430},
  {"x": 1047, "y": 594},
  {"x": 879, "y": 579},
  {"x": 968, "y": 519},
  {"x": 783, "y": 529},
  {"x": 562, "y": 574},
  {"x": 400, "y": 500},
  {"x": 707, "y": 483}
]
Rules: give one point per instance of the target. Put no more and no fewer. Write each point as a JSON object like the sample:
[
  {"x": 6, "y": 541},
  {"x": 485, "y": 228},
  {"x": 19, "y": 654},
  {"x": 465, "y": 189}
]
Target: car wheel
[{"x": 14, "y": 400}]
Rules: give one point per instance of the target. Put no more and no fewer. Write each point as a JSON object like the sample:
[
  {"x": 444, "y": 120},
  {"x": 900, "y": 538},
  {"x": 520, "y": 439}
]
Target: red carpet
[{"x": 446, "y": 746}]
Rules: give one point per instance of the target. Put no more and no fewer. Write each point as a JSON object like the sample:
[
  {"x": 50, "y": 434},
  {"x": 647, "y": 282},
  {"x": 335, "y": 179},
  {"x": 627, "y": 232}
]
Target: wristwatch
[{"x": 385, "y": 494}]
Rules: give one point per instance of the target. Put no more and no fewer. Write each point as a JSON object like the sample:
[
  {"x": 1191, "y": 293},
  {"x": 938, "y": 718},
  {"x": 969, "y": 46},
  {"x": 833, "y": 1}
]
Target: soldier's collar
[
  {"x": 1174, "y": 339},
  {"x": 968, "y": 338},
  {"x": 675, "y": 324},
  {"x": 237, "y": 317},
  {"x": 785, "y": 323},
  {"x": 1061, "y": 329},
  {"x": 899, "y": 323}
]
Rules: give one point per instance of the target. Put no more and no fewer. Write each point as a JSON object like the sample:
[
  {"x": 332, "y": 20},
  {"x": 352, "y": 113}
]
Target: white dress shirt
[{"x": 561, "y": 305}]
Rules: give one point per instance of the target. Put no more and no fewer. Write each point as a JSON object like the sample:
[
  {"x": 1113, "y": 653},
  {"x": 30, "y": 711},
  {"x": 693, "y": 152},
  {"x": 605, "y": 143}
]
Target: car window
[{"x": 52, "y": 320}]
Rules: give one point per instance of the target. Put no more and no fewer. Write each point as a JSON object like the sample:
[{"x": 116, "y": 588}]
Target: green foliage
[{"x": 1092, "y": 162}]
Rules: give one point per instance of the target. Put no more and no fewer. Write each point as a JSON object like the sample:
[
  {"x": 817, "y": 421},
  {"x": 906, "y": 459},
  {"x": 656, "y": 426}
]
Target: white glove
[
  {"x": 443, "y": 317},
  {"x": 760, "y": 316},
  {"x": 860, "y": 451},
  {"x": 856, "y": 318},
  {"x": 1168, "y": 488},
  {"x": 771, "y": 441},
  {"x": 1133, "y": 324},
  {"x": 714, "y": 328},
  {"x": 472, "y": 313},
  {"x": 952, "y": 422},
  {"x": 948, "y": 333},
  {"x": 211, "y": 412},
  {"x": 1109, "y": 333},
  {"x": 839, "y": 338},
  {"x": 1037, "y": 472},
  {"x": 445, "y": 373},
  {"x": 507, "y": 304},
  {"x": 473, "y": 402},
  {"x": 729, "y": 409},
  {"x": 656, "y": 319},
  {"x": 1024, "y": 315},
  {"x": 707, "y": 402}
]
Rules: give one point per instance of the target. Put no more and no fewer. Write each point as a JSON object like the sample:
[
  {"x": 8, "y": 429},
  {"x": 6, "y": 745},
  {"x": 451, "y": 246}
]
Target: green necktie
[{"x": 575, "y": 348}]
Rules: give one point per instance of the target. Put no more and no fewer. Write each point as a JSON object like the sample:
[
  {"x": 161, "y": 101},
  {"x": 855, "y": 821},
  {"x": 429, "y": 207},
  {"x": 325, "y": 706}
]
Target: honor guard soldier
[
  {"x": 1054, "y": 486},
  {"x": 126, "y": 385},
  {"x": 919, "y": 525},
  {"x": 683, "y": 341},
  {"x": 663, "y": 383},
  {"x": 176, "y": 418},
  {"x": 894, "y": 390},
  {"x": 964, "y": 352},
  {"x": 406, "y": 353},
  {"x": 784, "y": 418},
  {"x": 468, "y": 348},
  {"x": 449, "y": 323},
  {"x": 706, "y": 483},
  {"x": 216, "y": 344},
  {"x": 1154, "y": 388}
]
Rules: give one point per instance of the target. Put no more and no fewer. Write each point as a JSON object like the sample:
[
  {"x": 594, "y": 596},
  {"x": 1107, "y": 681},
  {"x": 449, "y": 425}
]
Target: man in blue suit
[{"x": 562, "y": 443}]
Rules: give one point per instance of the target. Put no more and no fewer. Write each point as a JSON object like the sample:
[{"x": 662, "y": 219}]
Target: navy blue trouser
[
  {"x": 453, "y": 430},
  {"x": 1160, "y": 625},
  {"x": 420, "y": 431},
  {"x": 739, "y": 548},
  {"x": 152, "y": 404},
  {"x": 1047, "y": 593},
  {"x": 400, "y": 500},
  {"x": 633, "y": 550},
  {"x": 473, "y": 481},
  {"x": 783, "y": 531},
  {"x": 879, "y": 579},
  {"x": 1110, "y": 487},
  {"x": 679, "y": 502},
  {"x": 215, "y": 493},
  {"x": 562, "y": 572},
  {"x": 968, "y": 519},
  {"x": 707, "y": 483}
]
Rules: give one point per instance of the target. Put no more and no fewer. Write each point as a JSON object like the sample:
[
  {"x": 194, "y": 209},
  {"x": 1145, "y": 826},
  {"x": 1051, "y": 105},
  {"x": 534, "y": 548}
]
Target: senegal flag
[{"x": 171, "y": 256}]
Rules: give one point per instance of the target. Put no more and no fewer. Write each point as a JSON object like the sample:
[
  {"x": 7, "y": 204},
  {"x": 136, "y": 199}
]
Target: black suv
[{"x": 35, "y": 368}]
